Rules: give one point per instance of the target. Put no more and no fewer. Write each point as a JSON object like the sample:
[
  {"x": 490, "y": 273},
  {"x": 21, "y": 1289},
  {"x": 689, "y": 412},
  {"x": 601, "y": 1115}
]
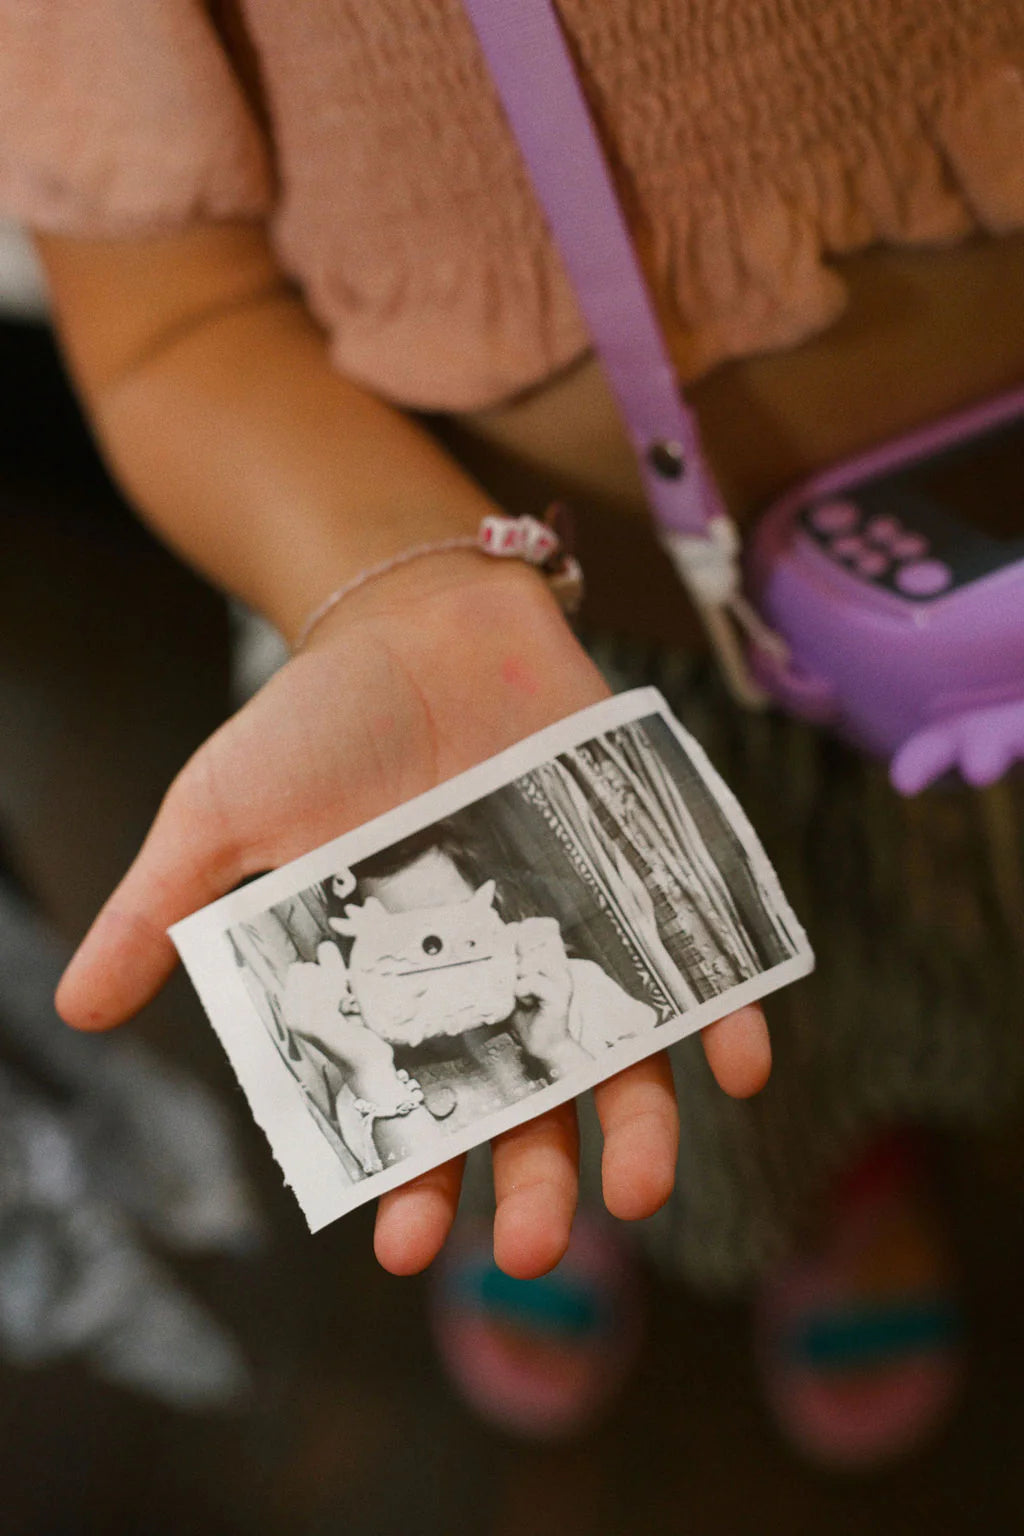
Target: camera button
[
  {"x": 924, "y": 578},
  {"x": 835, "y": 517}
]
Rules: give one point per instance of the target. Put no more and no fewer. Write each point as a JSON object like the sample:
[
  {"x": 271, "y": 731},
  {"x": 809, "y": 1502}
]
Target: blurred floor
[{"x": 112, "y": 667}]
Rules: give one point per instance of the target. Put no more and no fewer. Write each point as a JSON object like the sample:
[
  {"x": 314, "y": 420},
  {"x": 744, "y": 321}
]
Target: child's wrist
[
  {"x": 378, "y": 1083},
  {"x": 564, "y": 1057},
  {"x": 402, "y": 1100},
  {"x": 456, "y": 582},
  {"x": 323, "y": 548}
]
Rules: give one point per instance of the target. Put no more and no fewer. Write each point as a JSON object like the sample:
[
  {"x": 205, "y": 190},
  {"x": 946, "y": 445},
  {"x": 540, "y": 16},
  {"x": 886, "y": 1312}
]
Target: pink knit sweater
[{"x": 753, "y": 138}]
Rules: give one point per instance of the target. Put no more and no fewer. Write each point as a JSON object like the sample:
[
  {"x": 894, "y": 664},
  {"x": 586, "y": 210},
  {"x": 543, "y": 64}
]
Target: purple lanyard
[
  {"x": 533, "y": 70},
  {"x": 530, "y": 64}
]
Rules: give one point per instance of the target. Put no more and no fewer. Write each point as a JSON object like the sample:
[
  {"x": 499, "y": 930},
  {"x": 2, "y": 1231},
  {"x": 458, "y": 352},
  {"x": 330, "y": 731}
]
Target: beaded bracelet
[
  {"x": 369, "y": 1113},
  {"x": 539, "y": 543}
]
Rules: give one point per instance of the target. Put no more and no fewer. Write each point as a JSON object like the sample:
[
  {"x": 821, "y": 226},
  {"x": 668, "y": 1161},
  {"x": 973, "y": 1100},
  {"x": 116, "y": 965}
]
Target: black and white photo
[{"x": 489, "y": 950}]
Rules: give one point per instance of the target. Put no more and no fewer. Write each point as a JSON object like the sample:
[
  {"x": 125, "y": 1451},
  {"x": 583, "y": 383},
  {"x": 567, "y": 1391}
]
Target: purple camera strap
[{"x": 540, "y": 90}]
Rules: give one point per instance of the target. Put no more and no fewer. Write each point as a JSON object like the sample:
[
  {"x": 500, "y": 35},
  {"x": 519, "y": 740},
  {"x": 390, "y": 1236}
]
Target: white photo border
[{"x": 318, "y": 1181}]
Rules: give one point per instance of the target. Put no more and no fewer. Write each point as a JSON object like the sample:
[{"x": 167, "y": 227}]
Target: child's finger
[
  {"x": 329, "y": 959},
  {"x": 739, "y": 1051},
  {"x": 413, "y": 1222},
  {"x": 536, "y": 1178},
  {"x": 186, "y": 861},
  {"x": 640, "y": 1121}
]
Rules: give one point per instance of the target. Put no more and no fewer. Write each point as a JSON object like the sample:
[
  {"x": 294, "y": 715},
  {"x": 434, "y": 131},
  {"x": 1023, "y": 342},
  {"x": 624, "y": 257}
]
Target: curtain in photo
[{"x": 631, "y": 836}]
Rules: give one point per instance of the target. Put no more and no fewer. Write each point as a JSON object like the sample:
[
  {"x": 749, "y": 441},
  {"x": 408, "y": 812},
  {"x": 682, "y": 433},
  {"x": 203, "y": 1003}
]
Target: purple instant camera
[{"x": 905, "y": 625}]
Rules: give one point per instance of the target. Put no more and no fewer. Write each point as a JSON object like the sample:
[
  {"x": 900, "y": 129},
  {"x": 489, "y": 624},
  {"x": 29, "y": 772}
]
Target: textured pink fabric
[
  {"x": 118, "y": 117},
  {"x": 752, "y": 139}
]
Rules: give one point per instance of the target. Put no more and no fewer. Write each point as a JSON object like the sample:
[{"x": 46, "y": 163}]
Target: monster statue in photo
[{"x": 437, "y": 971}]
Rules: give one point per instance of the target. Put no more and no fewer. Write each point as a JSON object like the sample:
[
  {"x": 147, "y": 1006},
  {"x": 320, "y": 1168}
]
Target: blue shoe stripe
[
  {"x": 875, "y": 1335},
  {"x": 554, "y": 1304}
]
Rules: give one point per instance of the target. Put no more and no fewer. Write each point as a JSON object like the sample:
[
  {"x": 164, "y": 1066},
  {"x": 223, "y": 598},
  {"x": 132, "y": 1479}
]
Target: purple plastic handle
[{"x": 530, "y": 63}]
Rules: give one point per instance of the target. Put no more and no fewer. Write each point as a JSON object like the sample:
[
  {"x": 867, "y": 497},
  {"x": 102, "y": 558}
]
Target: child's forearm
[{"x": 213, "y": 397}]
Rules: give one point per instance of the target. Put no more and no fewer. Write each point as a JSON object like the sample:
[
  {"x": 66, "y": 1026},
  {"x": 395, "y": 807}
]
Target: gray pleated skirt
[{"x": 915, "y": 1013}]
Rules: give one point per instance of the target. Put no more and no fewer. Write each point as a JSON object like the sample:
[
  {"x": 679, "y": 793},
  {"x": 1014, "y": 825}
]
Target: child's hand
[
  {"x": 544, "y": 993},
  {"x": 317, "y": 1003},
  {"x": 414, "y": 678}
]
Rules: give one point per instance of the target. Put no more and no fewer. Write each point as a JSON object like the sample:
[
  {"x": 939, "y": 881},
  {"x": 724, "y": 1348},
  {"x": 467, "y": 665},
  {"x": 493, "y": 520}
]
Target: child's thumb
[
  {"x": 185, "y": 862},
  {"x": 329, "y": 957}
]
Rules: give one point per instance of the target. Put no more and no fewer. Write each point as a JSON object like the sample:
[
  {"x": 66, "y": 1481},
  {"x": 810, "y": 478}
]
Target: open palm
[{"x": 413, "y": 680}]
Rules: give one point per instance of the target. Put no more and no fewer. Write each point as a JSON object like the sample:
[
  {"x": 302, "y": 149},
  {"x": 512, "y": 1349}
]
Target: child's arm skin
[
  {"x": 544, "y": 995},
  {"x": 211, "y": 392},
  {"x": 318, "y": 1006}
]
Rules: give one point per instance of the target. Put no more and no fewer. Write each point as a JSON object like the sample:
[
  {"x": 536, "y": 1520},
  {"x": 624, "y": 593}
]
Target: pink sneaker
[
  {"x": 860, "y": 1341},
  {"x": 540, "y": 1358}
]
